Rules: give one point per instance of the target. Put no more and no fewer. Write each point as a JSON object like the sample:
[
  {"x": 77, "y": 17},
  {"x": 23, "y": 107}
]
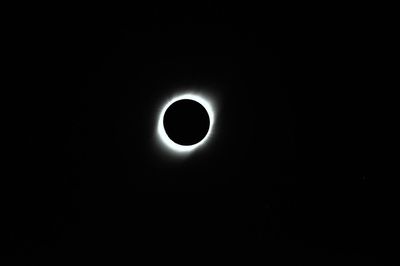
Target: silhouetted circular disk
[{"x": 186, "y": 122}]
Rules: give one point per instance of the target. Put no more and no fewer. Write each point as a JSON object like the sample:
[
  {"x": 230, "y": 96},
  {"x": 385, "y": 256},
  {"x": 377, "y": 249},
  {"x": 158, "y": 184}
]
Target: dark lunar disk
[{"x": 186, "y": 122}]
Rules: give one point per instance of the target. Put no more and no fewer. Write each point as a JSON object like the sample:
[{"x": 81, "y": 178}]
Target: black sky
[{"x": 286, "y": 176}]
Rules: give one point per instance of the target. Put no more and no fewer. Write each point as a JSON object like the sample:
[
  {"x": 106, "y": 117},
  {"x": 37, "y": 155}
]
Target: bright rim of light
[{"x": 161, "y": 130}]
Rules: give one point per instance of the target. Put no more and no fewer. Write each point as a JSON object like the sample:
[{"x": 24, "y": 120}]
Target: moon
[{"x": 173, "y": 145}]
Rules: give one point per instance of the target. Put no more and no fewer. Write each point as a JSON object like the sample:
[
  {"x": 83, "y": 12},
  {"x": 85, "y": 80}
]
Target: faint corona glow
[{"x": 161, "y": 130}]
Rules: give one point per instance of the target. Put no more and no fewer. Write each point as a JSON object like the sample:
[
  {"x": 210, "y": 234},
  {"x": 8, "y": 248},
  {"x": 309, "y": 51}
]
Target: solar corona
[{"x": 162, "y": 132}]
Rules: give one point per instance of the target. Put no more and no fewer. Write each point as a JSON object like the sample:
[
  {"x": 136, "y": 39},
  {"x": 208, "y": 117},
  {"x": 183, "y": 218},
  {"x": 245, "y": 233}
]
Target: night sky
[{"x": 285, "y": 178}]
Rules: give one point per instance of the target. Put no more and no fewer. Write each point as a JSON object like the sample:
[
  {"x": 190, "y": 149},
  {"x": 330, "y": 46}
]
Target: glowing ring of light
[{"x": 161, "y": 130}]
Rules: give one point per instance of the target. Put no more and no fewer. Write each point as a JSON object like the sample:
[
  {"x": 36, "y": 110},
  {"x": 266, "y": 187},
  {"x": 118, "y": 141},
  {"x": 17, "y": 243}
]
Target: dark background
[{"x": 287, "y": 177}]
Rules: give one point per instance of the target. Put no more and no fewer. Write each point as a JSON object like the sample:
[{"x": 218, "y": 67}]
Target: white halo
[{"x": 161, "y": 130}]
